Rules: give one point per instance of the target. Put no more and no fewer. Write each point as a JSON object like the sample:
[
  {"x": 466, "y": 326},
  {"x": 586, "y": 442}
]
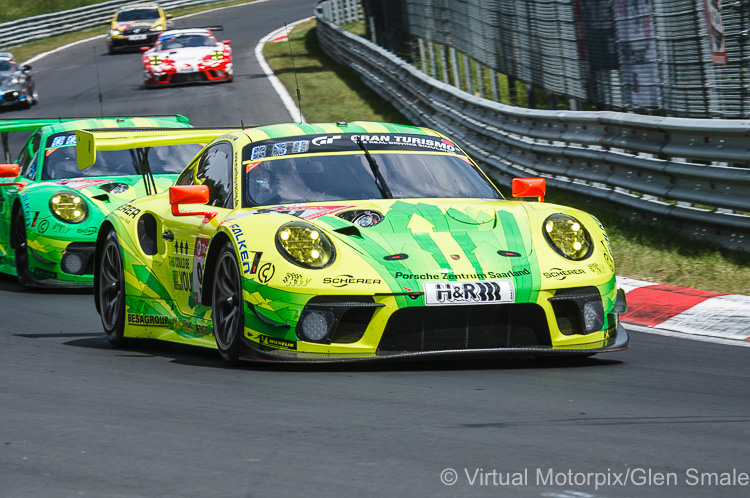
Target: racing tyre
[
  {"x": 111, "y": 290},
  {"x": 227, "y": 316},
  {"x": 20, "y": 242}
]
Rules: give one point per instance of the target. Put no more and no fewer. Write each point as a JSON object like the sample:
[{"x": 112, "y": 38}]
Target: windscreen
[
  {"x": 333, "y": 168},
  {"x": 138, "y": 15},
  {"x": 60, "y": 159},
  {"x": 171, "y": 42}
]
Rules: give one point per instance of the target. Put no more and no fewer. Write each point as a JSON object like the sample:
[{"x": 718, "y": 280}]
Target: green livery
[
  {"x": 352, "y": 241},
  {"x": 50, "y": 211}
]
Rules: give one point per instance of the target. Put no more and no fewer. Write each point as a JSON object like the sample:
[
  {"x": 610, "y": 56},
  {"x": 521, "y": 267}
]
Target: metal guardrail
[
  {"x": 691, "y": 173},
  {"x": 43, "y": 26}
]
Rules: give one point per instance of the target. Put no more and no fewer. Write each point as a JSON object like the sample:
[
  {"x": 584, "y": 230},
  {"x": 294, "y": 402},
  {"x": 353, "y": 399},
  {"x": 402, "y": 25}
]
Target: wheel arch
[
  {"x": 104, "y": 229},
  {"x": 13, "y": 212},
  {"x": 217, "y": 243}
]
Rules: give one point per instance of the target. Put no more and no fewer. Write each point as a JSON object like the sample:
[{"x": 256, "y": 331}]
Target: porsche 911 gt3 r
[
  {"x": 353, "y": 241},
  {"x": 187, "y": 56},
  {"x": 136, "y": 25},
  {"x": 50, "y": 212}
]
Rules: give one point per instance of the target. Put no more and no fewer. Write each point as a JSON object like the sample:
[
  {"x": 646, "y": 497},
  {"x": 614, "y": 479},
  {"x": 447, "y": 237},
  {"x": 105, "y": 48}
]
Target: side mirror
[
  {"x": 189, "y": 194},
  {"x": 227, "y": 42},
  {"x": 530, "y": 187},
  {"x": 10, "y": 171},
  {"x": 26, "y": 67}
]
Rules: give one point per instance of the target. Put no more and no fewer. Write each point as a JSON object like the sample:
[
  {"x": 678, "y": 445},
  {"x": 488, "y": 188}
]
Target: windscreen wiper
[{"x": 384, "y": 190}]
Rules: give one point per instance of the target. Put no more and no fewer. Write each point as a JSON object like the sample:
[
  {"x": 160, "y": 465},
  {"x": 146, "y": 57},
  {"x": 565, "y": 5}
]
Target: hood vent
[
  {"x": 115, "y": 187},
  {"x": 364, "y": 218}
]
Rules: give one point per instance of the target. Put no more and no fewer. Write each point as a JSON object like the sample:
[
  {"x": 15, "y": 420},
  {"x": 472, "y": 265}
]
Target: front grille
[
  {"x": 188, "y": 77},
  {"x": 442, "y": 328}
]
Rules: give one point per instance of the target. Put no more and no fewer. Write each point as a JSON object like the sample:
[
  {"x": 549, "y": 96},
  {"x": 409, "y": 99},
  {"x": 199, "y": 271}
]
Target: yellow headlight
[
  {"x": 304, "y": 245},
  {"x": 154, "y": 60},
  {"x": 68, "y": 207},
  {"x": 567, "y": 236}
]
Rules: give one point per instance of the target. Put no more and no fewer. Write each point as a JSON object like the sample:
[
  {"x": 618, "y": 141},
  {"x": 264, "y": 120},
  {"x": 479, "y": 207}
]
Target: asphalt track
[{"x": 78, "y": 418}]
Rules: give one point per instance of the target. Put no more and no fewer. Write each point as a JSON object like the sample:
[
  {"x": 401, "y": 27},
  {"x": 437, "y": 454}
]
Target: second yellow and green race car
[{"x": 351, "y": 241}]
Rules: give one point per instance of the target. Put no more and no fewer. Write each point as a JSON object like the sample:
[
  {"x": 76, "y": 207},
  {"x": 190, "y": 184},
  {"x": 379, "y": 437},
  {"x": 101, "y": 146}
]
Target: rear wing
[
  {"x": 89, "y": 141},
  {"x": 140, "y": 140},
  {"x": 33, "y": 124}
]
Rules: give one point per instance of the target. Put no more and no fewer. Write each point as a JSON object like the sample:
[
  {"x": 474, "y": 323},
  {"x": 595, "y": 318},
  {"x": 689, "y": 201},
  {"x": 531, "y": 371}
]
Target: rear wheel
[
  {"x": 227, "y": 316},
  {"x": 20, "y": 242},
  {"x": 111, "y": 290}
]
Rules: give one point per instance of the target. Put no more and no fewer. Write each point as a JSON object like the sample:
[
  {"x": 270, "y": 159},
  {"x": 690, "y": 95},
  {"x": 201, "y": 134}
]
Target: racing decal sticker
[
  {"x": 266, "y": 273},
  {"x": 299, "y": 210},
  {"x": 462, "y": 276},
  {"x": 127, "y": 213},
  {"x": 273, "y": 342},
  {"x": 148, "y": 320},
  {"x": 597, "y": 269},
  {"x": 560, "y": 274},
  {"x": 477, "y": 292},
  {"x": 241, "y": 247},
  {"x": 78, "y": 184},
  {"x": 344, "y": 280},
  {"x": 295, "y": 280},
  {"x": 199, "y": 261}
]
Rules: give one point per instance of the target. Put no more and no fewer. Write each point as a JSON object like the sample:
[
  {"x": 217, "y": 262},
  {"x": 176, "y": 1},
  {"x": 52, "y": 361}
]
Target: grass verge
[{"x": 331, "y": 92}]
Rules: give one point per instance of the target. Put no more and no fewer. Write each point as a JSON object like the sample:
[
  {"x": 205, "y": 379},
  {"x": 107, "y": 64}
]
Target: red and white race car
[{"x": 191, "y": 55}]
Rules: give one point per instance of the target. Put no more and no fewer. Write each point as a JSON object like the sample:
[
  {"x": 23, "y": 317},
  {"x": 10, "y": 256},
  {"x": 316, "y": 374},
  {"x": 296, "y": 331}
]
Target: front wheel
[
  {"x": 111, "y": 289},
  {"x": 227, "y": 316},
  {"x": 20, "y": 242}
]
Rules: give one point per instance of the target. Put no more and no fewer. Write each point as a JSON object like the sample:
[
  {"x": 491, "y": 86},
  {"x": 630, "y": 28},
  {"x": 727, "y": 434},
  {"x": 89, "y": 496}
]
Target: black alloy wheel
[
  {"x": 20, "y": 242},
  {"x": 111, "y": 290},
  {"x": 227, "y": 312}
]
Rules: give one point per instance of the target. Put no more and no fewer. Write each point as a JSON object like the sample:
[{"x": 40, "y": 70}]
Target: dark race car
[{"x": 17, "y": 87}]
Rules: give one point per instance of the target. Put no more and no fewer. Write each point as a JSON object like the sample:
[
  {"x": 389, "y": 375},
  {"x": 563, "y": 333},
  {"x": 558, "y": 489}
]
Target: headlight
[
  {"x": 304, "y": 245},
  {"x": 154, "y": 60},
  {"x": 114, "y": 32},
  {"x": 218, "y": 55},
  {"x": 567, "y": 236},
  {"x": 157, "y": 28},
  {"x": 69, "y": 207},
  {"x": 15, "y": 80}
]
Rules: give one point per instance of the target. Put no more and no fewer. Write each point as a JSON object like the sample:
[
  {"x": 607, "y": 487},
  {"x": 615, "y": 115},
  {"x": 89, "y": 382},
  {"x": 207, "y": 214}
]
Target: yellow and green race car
[
  {"x": 351, "y": 241},
  {"x": 50, "y": 211},
  {"x": 136, "y": 25}
]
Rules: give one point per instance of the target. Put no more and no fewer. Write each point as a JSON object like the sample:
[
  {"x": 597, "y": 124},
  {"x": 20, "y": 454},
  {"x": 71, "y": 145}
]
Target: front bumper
[{"x": 616, "y": 342}]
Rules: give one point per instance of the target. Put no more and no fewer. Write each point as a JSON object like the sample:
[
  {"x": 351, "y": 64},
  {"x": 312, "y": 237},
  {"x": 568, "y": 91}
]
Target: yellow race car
[
  {"x": 350, "y": 241},
  {"x": 136, "y": 25}
]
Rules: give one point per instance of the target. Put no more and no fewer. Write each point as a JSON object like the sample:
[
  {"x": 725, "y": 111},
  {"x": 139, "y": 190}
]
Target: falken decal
[{"x": 239, "y": 236}]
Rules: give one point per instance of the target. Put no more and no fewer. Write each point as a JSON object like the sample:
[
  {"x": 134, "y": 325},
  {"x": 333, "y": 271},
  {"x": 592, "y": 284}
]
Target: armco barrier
[
  {"x": 693, "y": 174},
  {"x": 35, "y": 28}
]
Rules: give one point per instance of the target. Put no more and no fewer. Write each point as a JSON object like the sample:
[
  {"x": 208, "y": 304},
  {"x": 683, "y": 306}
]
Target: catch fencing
[
  {"x": 693, "y": 174},
  {"x": 57, "y": 23}
]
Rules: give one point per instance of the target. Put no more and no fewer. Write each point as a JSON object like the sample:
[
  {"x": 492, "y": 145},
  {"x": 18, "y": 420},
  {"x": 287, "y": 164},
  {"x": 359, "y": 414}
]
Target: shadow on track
[{"x": 196, "y": 356}]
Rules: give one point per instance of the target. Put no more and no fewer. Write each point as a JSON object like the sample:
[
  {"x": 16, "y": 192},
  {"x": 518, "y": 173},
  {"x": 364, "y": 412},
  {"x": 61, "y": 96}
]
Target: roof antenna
[
  {"x": 294, "y": 68},
  {"x": 99, "y": 85}
]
